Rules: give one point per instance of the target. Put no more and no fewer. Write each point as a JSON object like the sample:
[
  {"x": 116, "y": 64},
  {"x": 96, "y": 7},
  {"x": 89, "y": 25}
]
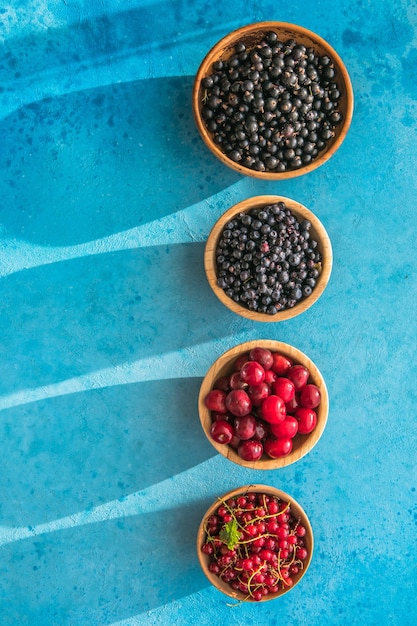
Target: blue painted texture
[{"x": 108, "y": 325}]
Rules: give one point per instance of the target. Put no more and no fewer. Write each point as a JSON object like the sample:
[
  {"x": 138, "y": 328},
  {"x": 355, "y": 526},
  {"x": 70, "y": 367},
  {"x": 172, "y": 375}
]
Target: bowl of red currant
[
  {"x": 255, "y": 543},
  {"x": 263, "y": 404},
  {"x": 272, "y": 100},
  {"x": 268, "y": 258}
]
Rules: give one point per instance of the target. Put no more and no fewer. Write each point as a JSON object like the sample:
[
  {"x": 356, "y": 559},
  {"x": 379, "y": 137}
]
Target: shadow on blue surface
[
  {"x": 104, "y": 572},
  {"x": 84, "y": 165},
  {"x": 86, "y": 449},
  {"x": 70, "y": 318},
  {"x": 101, "y": 39}
]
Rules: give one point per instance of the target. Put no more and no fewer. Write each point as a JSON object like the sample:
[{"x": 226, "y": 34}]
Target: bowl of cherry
[
  {"x": 255, "y": 543},
  {"x": 268, "y": 258},
  {"x": 272, "y": 100},
  {"x": 263, "y": 404}
]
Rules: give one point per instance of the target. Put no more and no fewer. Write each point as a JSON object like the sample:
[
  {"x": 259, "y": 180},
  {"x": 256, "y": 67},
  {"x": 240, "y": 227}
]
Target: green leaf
[{"x": 230, "y": 534}]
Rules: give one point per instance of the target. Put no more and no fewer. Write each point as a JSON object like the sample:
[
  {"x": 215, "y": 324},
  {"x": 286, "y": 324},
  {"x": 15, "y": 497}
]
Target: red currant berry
[{"x": 301, "y": 553}]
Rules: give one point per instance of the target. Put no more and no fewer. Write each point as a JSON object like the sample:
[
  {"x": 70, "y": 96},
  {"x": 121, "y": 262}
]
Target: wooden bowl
[
  {"x": 302, "y": 444},
  {"x": 318, "y": 233},
  {"x": 298, "y": 513},
  {"x": 252, "y": 35}
]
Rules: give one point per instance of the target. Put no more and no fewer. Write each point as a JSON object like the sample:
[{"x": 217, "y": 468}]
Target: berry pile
[
  {"x": 255, "y": 544},
  {"x": 264, "y": 402},
  {"x": 274, "y": 106},
  {"x": 266, "y": 260}
]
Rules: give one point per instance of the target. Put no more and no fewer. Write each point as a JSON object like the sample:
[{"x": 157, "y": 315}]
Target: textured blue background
[{"x": 107, "y": 323}]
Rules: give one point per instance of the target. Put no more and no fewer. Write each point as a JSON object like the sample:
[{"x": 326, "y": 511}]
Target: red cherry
[
  {"x": 238, "y": 402},
  {"x": 284, "y": 388},
  {"x": 307, "y": 420},
  {"x": 252, "y": 373},
  {"x": 241, "y": 360},
  {"x": 276, "y": 448},
  {"x": 292, "y": 405},
  {"x": 261, "y": 430},
  {"x": 235, "y": 382},
  {"x": 221, "y": 431},
  {"x": 245, "y": 427},
  {"x": 258, "y": 393},
  {"x": 215, "y": 401},
  {"x": 262, "y": 356},
  {"x": 222, "y": 383},
  {"x": 310, "y": 396},
  {"x": 273, "y": 409},
  {"x": 288, "y": 428},
  {"x": 281, "y": 363},
  {"x": 250, "y": 450},
  {"x": 270, "y": 376},
  {"x": 299, "y": 375}
]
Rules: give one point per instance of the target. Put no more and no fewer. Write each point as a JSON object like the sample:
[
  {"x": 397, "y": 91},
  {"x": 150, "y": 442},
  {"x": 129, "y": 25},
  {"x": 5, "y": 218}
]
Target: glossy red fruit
[
  {"x": 270, "y": 376},
  {"x": 221, "y": 431},
  {"x": 299, "y": 375},
  {"x": 235, "y": 381},
  {"x": 310, "y": 396},
  {"x": 262, "y": 356},
  {"x": 258, "y": 393},
  {"x": 238, "y": 402},
  {"x": 222, "y": 383},
  {"x": 215, "y": 400},
  {"x": 250, "y": 450},
  {"x": 261, "y": 430},
  {"x": 292, "y": 405},
  {"x": 280, "y": 363},
  {"x": 252, "y": 373},
  {"x": 286, "y": 429},
  {"x": 241, "y": 360},
  {"x": 307, "y": 420},
  {"x": 273, "y": 409},
  {"x": 245, "y": 427},
  {"x": 284, "y": 388},
  {"x": 276, "y": 448},
  {"x": 227, "y": 417}
]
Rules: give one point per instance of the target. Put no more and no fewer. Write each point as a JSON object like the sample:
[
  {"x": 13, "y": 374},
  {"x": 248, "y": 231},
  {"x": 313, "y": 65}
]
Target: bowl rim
[
  {"x": 308, "y": 442},
  {"x": 269, "y": 490},
  {"x": 299, "y": 210},
  {"x": 226, "y": 42}
]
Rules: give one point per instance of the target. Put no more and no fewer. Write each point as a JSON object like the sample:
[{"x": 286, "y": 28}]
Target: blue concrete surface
[{"x": 107, "y": 323}]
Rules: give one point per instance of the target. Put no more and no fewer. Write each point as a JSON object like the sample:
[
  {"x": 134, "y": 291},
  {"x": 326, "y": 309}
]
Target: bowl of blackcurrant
[
  {"x": 263, "y": 404},
  {"x": 272, "y": 100},
  {"x": 255, "y": 543},
  {"x": 268, "y": 258}
]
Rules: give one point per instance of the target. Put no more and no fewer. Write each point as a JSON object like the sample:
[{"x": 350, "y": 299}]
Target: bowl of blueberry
[
  {"x": 268, "y": 258},
  {"x": 263, "y": 404},
  {"x": 255, "y": 543},
  {"x": 272, "y": 100}
]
